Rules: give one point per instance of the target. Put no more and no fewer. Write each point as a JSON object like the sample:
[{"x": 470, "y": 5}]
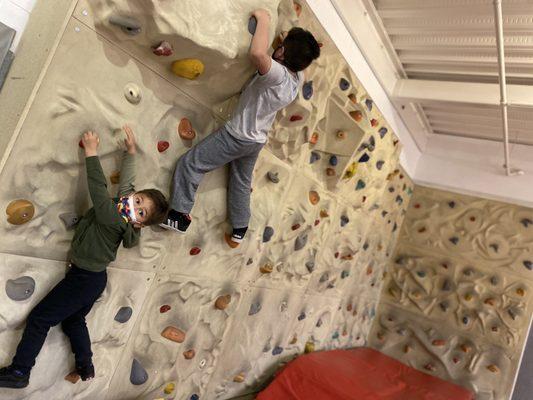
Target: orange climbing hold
[
  {"x": 493, "y": 368},
  {"x": 73, "y": 377},
  {"x": 230, "y": 243},
  {"x": 185, "y": 130},
  {"x": 20, "y": 211},
  {"x": 314, "y": 138},
  {"x": 353, "y": 98},
  {"x": 174, "y": 334},
  {"x": 314, "y": 197},
  {"x": 356, "y": 115},
  {"x": 222, "y": 302},
  {"x": 189, "y": 354},
  {"x": 266, "y": 269}
]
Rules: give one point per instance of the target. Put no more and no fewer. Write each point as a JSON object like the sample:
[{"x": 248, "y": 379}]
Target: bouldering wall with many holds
[
  {"x": 457, "y": 299},
  {"x": 188, "y": 317}
]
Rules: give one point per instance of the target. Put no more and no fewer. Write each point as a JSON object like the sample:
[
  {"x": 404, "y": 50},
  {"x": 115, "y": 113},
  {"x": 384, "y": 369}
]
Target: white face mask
[{"x": 132, "y": 215}]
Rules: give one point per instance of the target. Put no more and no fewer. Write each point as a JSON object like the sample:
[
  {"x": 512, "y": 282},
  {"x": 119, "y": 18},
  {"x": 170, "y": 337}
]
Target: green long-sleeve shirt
[{"x": 102, "y": 229}]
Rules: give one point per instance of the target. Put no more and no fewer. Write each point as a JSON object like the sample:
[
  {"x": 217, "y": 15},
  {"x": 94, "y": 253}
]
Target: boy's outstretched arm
[
  {"x": 127, "y": 170},
  {"x": 104, "y": 208},
  {"x": 259, "y": 46}
]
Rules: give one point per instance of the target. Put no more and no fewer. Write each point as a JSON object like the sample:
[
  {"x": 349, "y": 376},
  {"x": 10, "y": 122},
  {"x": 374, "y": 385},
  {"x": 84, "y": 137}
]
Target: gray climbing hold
[
  {"x": 254, "y": 308},
  {"x": 368, "y": 103},
  {"x": 250, "y": 261},
  {"x": 380, "y": 164},
  {"x": 252, "y": 25},
  {"x": 123, "y": 315},
  {"x": 267, "y": 234},
  {"x": 444, "y": 306},
  {"x": 314, "y": 157},
  {"x": 310, "y": 265},
  {"x": 421, "y": 274},
  {"x": 344, "y": 84},
  {"x": 365, "y": 246},
  {"x": 21, "y": 288},
  {"x": 324, "y": 277},
  {"x": 69, "y": 219},
  {"x": 344, "y": 220},
  {"x": 513, "y": 313},
  {"x": 494, "y": 280},
  {"x": 465, "y": 320},
  {"x": 277, "y": 350},
  {"x": 273, "y": 177},
  {"x": 138, "y": 374},
  {"x": 300, "y": 242},
  {"x": 129, "y": 25},
  {"x": 446, "y": 285},
  {"x": 307, "y": 90}
]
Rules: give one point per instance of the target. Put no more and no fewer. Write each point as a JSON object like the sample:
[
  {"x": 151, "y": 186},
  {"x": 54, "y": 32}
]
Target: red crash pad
[{"x": 358, "y": 374}]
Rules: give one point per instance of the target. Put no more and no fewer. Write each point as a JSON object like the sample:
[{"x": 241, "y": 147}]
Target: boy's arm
[
  {"x": 126, "y": 183},
  {"x": 259, "y": 46}
]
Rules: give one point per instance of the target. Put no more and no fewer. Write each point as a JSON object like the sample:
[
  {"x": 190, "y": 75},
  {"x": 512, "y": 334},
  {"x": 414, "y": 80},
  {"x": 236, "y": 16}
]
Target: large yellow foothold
[
  {"x": 169, "y": 388},
  {"x": 20, "y": 211},
  {"x": 190, "y": 68},
  {"x": 350, "y": 171},
  {"x": 309, "y": 347}
]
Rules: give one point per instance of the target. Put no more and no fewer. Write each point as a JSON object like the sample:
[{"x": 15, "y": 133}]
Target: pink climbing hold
[
  {"x": 162, "y": 146},
  {"x": 195, "y": 251},
  {"x": 296, "y": 117},
  {"x": 163, "y": 49}
]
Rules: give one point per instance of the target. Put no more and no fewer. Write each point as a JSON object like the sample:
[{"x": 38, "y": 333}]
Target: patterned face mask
[{"x": 126, "y": 209}]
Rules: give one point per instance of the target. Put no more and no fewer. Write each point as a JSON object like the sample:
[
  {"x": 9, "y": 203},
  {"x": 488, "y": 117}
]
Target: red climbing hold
[
  {"x": 162, "y": 146},
  {"x": 164, "y": 308},
  {"x": 296, "y": 117},
  {"x": 195, "y": 251},
  {"x": 317, "y": 221},
  {"x": 80, "y": 143},
  {"x": 163, "y": 49},
  {"x": 374, "y": 122},
  {"x": 295, "y": 226}
]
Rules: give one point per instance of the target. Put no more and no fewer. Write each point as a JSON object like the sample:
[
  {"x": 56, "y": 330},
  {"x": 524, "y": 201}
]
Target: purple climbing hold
[
  {"x": 344, "y": 84},
  {"x": 369, "y": 104},
  {"x": 380, "y": 164},
  {"x": 20, "y": 289},
  {"x": 526, "y": 222},
  {"x": 382, "y": 132},
  {"x": 307, "y": 90},
  {"x": 454, "y": 239},
  {"x": 528, "y": 264},
  {"x": 277, "y": 350},
  {"x": 267, "y": 234},
  {"x": 364, "y": 158},
  {"x": 314, "y": 157},
  {"x": 252, "y": 25},
  {"x": 360, "y": 185}
]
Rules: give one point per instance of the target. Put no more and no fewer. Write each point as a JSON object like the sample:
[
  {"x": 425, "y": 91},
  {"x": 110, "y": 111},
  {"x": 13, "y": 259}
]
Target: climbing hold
[
  {"x": 138, "y": 374},
  {"x": 380, "y": 164},
  {"x": 267, "y": 234},
  {"x": 267, "y": 268},
  {"x": 350, "y": 171},
  {"x": 162, "y": 146},
  {"x": 314, "y": 138},
  {"x": 468, "y": 296},
  {"x": 446, "y": 285},
  {"x": 490, "y": 301},
  {"x": 129, "y": 25},
  {"x": 195, "y": 251},
  {"x": 521, "y": 292},
  {"x": 407, "y": 348},
  {"x": 81, "y": 145},
  {"x": 513, "y": 313},
  {"x": 239, "y": 378},
  {"x": 295, "y": 117},
  {"x": 195, "y": 397},
  {"x": 368, "y": 104},
  {"x": 341, "y": 135},
  {"x": 163, "y": 49},
  {"x": 421, "y": 274},
  {"x": 169, "y": 388},
  {"x": 189, "y": 68},
  {"x": 330, "y": 172},
  {"x": 123, "y": 314},
  {"x": 382, "y": 132},
  {"x": 250, "y": 261},
  {"x": 451, "y": 204},
  {"x": 317, "y": 221},
  {"x": 295, "y": 227},
  {"x": 429, "y": 367},
  {"x": 69, "y": 219},
  {"x": 297, "y": 8},
  {"x": 314, "y": 197},
  {"x": 345, "y": 274},
  {"x": 189, "y": 354},
  {"x": 335, "y": 335},
  {"x": 438, "y": 342},
  {"x": 324, "y": 213},
  {"x": 273, "y": 176},
  {"x": 344, "y": 220},
  {"x": 73, "y": 377},
  {"x": 114, "y": 178},
  {"x": 360, "y": 185},
  {"x": 301, "y": 317},
  {"x": 314, "y": 157},
  {"x": 528, "y": 264},
  {"x": 185, "y": 130},
  {"x": 353, "y": 98},
  {"x": 309, "y": 347},
  {"x": 20, "y": 289},
  {"x": 174, "y": 334},
  {"x": 164, "y": 308},
  {"x": 356, "y": 115},
  {"x": 133, "y": 94},
  {"x": 526, "y": 222},
  {"x": 300, "y": 242},
  {"x": 324, "y": 277},
  {"x": 493, "y": 368},
  {"x": 222, "y": 302},
  {"x": 307, "y": 90},
  {"x": 333, "y": 160},
  {"x": 454, "y": 239},
  {"x": 294, "y": 339},
  {"x": 254, "y": 308},
  {"x": 444, "y": 306},
  {"x": 310, "y": 265},
  {"x": 364, "y": 158},
  {"x": 465, "y": 320},
  {"x": 344, "y": 84},
  {"x": 252, "y": 25},
  {"x": 19, "y": 212},
  {"x": 277, "y": 350},
  {"x": 374, "y": 122}
]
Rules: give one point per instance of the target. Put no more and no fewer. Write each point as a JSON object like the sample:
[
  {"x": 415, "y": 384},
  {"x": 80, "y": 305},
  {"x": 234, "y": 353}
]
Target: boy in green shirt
[{"x": 96, "y": 241}]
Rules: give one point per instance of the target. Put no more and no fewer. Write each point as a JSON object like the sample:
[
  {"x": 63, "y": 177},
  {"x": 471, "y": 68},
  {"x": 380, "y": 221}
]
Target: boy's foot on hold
[
  {"x": 85, "y": 372},
  {"x": 177, "y": 221},
  {"x": 13, "y": 378},
  {"x": 236, "y": 237}
]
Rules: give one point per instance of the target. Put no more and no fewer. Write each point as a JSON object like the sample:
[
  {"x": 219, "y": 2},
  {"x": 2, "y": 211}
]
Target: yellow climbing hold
[
  {"x": 170, "y": 388},
  {"x": 309, "y": 347},
  {"x": 239, "y": 378},
  {"x": 190, "y": 68},
  {"x": 350, "y": 171},
  {"x": 267, "y": 268},
  {"x": 20, "y": 211}
]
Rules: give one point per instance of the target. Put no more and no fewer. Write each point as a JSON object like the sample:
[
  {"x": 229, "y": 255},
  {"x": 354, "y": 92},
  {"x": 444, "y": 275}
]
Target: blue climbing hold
[
  {"x": 382, "y": 132},
  {"x": 364, "y": 158},
  {"x": 333, "y": 160},
  {"x": 380, "y": 164},
  {"x": 344, "y": 84},
  {"x": 307, "y": 90},
  {"x": 194, "y": 397},
  {"x": 369, "y": 104},
  {"x": 277, "y": 350},
  {"x": 254, "y": 308},
  {"x": 123, "y": 315},
  {"x": 252, "y": 25},
  {"x": 360, "y": 185},
  {"x": 314, "y": 157}
]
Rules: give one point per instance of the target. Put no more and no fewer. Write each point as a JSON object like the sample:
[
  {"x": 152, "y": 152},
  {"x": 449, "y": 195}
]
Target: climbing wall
[
  {"x": 457, "y": 300},
  {"x": 187, "y": 317}
]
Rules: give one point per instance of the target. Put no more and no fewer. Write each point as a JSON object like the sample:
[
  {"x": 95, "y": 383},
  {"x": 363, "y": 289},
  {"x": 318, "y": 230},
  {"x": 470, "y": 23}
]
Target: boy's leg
[{"x": 239, "y": 189}]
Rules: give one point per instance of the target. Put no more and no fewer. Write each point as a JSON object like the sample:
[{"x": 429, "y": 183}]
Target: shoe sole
[
  {"x": 13, "y": 385},
  {"x": 169, "y": 228}
]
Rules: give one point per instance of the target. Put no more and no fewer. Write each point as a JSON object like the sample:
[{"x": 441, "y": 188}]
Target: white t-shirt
[{"x": 264, "y": 96}]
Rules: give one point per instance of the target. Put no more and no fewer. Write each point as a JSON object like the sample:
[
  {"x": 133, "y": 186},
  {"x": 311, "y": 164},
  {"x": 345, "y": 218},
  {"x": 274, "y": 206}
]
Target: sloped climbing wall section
[
  {"x": 187, "y": 317},
  {"x": 457, "y": 301}
]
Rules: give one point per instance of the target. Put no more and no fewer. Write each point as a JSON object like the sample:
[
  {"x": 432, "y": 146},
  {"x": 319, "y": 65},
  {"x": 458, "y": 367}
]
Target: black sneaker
[
  {"x": 177, "y": 221},
  {"x": 238, "y": 234},
  {"x": 85, "y": 372},
  {"x": 11, "y": 377}
]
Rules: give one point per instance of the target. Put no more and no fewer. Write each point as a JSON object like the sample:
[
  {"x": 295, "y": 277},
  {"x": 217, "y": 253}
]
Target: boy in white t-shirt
[{"x": 240, "y": 140}]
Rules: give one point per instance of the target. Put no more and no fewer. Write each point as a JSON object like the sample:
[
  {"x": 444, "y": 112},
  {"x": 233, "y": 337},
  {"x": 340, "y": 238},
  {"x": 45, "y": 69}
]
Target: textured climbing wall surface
[
  {"x": 457, "y": 300},
  {"x": 187, "y": 317}
]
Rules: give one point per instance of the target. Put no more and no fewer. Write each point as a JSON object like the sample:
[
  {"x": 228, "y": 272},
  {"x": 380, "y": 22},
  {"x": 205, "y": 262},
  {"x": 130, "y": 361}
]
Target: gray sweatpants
[{"x": 216, "y": 150}]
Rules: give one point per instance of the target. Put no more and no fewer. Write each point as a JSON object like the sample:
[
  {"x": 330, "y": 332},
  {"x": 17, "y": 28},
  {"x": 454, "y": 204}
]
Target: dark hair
[
  {"x": 301, "y": 48},
  {"x": 159, "y": 212}
]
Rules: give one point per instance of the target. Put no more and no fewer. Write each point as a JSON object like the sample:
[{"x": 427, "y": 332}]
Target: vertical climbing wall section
[
  {"x": 188, "y": 317},
  {"x": 457, "y": 300}
]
